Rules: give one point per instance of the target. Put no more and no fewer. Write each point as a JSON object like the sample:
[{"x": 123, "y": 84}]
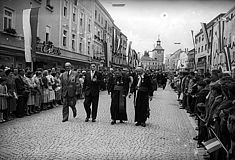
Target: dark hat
[{"x": 2, "y": 79}]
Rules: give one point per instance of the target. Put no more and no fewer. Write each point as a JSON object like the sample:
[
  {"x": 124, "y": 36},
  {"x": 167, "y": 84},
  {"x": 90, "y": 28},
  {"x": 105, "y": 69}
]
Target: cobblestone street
[{"x": 167, "y": 136}]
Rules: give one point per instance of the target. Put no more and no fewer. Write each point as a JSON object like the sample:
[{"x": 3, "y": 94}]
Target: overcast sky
[{"x": 143, "y": 20}]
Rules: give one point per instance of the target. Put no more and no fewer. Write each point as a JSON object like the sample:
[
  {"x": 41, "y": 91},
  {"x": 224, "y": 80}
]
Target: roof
[
  {"x": 158, "y": 47},
  {"x": 146, "y": 58}
]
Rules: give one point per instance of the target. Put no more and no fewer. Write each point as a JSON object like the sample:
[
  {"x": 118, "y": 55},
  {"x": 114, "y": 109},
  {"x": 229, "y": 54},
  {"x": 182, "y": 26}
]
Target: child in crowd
[{"x": 3, "y": 99}]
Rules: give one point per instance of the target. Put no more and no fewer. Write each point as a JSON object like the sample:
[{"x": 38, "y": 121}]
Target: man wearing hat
[{"x": 144, "y": 89}]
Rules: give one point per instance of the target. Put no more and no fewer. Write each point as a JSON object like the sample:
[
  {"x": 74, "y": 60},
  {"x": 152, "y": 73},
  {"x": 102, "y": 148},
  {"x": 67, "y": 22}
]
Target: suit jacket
[
  {"x": 70, "y": 85},
  {"x": 90, "y": 87},
  {"x": 145, "y": 82},
  {"x": 21, "y": 86}
]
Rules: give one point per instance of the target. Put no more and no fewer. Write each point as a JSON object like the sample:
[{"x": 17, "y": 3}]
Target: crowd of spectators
[{"x": 210, "y": 98}]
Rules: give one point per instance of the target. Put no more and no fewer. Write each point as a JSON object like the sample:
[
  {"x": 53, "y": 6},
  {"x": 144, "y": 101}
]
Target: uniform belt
[
  {"x": 118, "y": 88},
  {"x": 143, "y": 89}
]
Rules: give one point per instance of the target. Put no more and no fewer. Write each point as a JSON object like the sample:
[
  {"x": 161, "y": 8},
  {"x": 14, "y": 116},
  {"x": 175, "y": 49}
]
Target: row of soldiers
[{"x": 211, "y": 100}]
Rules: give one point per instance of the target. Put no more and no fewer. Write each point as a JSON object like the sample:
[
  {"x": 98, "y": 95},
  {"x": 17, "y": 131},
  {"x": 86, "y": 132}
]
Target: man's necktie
[{"x": 68, "y": 74}]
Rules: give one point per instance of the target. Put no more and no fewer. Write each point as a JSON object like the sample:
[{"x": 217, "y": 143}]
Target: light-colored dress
[
  {"x": 31, "y": 97},
  {"x": 58, "y": 89},
  {"x": 39, "y": 91},
  {"x": 51, "y": 82},
  {"x": 3, "y": 97}
]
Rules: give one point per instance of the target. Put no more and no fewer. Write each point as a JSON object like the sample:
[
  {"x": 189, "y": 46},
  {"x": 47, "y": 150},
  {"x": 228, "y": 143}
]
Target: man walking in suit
[
  {"x": 70, "y": 90},
  {"x": 91, "y": 90}
]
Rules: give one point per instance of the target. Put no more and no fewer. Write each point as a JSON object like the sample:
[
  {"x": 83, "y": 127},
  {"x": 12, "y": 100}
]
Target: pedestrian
[
  {"x": 119, "y": 89},
  {"x": 144, "y": 94},
  {"x": 3, "y": 99},
  {"x": 51, "y": 83},
  {"x": 58, "y": 89},
  {"x": 91, "y": 88},
  {"x": 70, "y": 85},
  {"x": 45, "y": 90},
  {"x": 22, "y": 93},
  {"x": 30, "y": 102}
]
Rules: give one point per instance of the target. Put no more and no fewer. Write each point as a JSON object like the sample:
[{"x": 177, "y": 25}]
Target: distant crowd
[{"x": 210, "y": 98}]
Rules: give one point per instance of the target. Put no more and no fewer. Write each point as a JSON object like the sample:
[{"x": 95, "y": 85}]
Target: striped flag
[
  {"x": 30, "y": 23},
  {"x": 212, "y": 145},
  {"x": 204, "y": 30},
  {"x": 129, "y": 53}
]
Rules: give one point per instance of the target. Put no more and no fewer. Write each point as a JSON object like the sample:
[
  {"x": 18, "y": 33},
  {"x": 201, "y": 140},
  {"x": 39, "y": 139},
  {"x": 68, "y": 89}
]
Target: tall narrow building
[{"x": 158, "y": 55}]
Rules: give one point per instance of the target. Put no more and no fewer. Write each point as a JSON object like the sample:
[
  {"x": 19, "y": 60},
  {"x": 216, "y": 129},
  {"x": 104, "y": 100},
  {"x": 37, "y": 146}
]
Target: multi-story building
[
  {"x": 66, "y": 24},
  {"x": 102, "y": 31},
  {"x": 229, "y": 39},
  {"x": 158, "y": 55},
  {"x": 191, "y": 60},
  {"x": 123, "y": 49},
  {"x": 203, "y": 46},
  {"x": 174, "y": 60},
  {"x": 148, "y": 63}
]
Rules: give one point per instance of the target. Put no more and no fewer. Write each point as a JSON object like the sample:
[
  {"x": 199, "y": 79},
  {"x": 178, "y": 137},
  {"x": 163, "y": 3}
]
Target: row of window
[
  {"x": 201, "y": 38},
  {"x": 104, "y": 23},
  {"x": 73, "y": 42},
  {"x": 201, "y": 49}
]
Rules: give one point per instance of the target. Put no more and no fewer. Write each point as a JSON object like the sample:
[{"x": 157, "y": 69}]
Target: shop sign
[{"x": 48, "y": 48}]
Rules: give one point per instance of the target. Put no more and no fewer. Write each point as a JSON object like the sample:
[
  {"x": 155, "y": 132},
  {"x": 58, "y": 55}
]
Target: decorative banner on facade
[
  {"x": 129, "y": 53},
  {"x": 30, "y": 22},
  {"x": 228, "y": 58},
  {"x": 204, "y": 30}
]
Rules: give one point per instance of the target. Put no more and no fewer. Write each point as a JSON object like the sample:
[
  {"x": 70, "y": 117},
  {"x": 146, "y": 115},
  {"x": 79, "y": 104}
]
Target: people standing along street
[
  {"x": 144, "y": 94},
  {"x": 119, "y": 87},
  {"x": 91, "y": 90},
  {"x": 70, "y": 89},
  {"x": 22, "y": 91}
]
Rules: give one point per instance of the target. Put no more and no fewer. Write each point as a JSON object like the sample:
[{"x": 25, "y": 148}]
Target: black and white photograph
[{"x": 117, "y": 79}]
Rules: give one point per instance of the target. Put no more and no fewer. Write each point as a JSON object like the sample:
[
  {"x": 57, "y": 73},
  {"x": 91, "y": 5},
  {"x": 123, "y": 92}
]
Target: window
[
  {"x": 102, "y": 20},
  {"x": 74, "y": 14},
  {"x": 195, "y": 40},
  {"x": 202, "y": 49},
  {"x": 89, "y": 25},
  {"x": 64, "y": 38},
  {"x": 48, "y": 30},
  {"x": 205, "y": 46},
  {"x": 98, "y": 33},
  {"x": 202, "y": 37},
  {"x": 73, "y": 41},
  {"x": 7, "y": 18},
  {"x": 81, "y": 19},
  {"x": 199, "y": 39},
  {"x": 65, "y": 8},
  {"x": 88, "y": 48},
  {"x": 99, "y": 18},
  {"x": 199, "y": 50},
  {"x": 80, "y": 45},
  {"x": 75, "y": 2},
  {"x": 95, "y": 14}
]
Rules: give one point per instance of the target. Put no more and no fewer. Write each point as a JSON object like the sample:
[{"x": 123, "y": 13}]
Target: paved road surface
[{"x": 167, "y": 136}]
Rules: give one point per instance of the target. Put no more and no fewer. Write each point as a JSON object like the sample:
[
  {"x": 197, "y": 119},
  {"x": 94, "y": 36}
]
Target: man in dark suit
[
  {"x": 91, "y": 90},
  {"x": 22, "y": 93},
  {"x": 70, "y": 90}
]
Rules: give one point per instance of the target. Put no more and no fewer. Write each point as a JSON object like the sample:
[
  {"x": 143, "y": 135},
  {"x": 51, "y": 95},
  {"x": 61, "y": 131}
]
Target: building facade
[
  {"x": 64, "y": 33},
  {"x": 158, "y": 55},
  {"x": 203, "y": 46}
]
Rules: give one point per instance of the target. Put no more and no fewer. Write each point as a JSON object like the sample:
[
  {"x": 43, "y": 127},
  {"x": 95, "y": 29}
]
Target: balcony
[{"x": 11, "y": 40}]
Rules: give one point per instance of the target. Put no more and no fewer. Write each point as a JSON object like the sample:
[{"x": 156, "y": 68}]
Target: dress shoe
[
  {"x": 87, "y": 119},
  {"x": 64, "y": 120},
  {"x": 181, "y": 108},
  {"x": 143, "y": 124},
  {"x": 93, "y": 120},
  {"x": 113, "y": 122},
  {"x": 138, "y": 124},
  {"x": 195, "y": 138}
]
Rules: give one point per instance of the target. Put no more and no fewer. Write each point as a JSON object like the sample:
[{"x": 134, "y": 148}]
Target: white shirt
[{"x": 92, "y": 74}]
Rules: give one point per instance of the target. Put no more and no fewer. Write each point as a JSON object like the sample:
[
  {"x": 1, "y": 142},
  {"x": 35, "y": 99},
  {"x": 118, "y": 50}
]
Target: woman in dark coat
[{"x": 119, "y": 87}]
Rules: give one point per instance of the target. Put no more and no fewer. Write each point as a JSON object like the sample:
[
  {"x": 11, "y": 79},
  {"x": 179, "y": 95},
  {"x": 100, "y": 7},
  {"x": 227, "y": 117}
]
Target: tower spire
[{"x": 158, "y": 41}]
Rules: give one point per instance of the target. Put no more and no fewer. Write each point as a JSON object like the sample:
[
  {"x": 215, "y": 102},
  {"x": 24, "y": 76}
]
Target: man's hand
[
  {"x": 130, "y": 95},
  {"x": 150, "y": 98}
]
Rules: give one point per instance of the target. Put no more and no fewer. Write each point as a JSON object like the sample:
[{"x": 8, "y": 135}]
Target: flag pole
[{"x": 194, "y": 61}]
